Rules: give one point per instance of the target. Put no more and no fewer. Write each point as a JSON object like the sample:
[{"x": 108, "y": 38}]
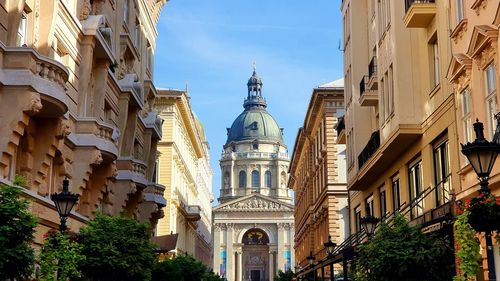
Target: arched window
[
  {"x": 268, "y": 178},
  {"x": 243, "y": 179},
  {"x": 255, "y": 179}
]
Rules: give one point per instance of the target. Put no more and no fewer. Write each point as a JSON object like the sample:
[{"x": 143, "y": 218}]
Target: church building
[{"x": 253, "y": 225}]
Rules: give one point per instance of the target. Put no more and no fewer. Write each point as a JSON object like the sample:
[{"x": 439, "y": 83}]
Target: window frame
[
  {"x": 415, "y": 185},
  {"x": 382, "y": 196},
  {"x": 396, "y": 185},
  {"x": 255, "y": 178},
  {"x": 22, "y": 30},
  {"x": 268, "y": 179},
  {"x": 490, "y": 95},
  {"x": 242, "y": 179}
]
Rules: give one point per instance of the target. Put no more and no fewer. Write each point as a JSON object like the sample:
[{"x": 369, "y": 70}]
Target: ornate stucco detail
[
  {"x": 459, "y": 31},
  {"x": 479, "y": 5},
  {"x": 85, "y": 10},
  {"x": 255, "y": 204}
]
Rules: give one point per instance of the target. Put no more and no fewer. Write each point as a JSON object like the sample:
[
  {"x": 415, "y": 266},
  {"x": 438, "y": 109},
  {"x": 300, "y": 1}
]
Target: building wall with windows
[
  {"x": 76, "y": 89},
  {"x": 474, "y": 74},
  {"x": 184, "y": 170},
  {"x": 317, "y": 175},
  {"x": 400, "y": 127}
]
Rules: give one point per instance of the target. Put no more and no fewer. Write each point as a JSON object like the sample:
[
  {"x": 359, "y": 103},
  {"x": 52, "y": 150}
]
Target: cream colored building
[
  {"x": 253, "y": 225},
  {"x": 400, "y": 127},
  {"x": 474, "y": 73},
  {"x": 76, "y": 89},
  {"x": 183, "y": 168},
  {"x": 318, "y": 175}
]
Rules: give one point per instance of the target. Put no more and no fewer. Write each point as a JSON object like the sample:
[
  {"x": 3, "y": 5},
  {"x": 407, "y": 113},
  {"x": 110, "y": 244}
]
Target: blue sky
[{"x": 211, "y": 45}]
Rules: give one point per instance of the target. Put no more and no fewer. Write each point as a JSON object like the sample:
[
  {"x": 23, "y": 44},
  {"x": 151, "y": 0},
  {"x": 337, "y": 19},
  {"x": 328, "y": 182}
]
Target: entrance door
[{"x": 255, "y": 275}]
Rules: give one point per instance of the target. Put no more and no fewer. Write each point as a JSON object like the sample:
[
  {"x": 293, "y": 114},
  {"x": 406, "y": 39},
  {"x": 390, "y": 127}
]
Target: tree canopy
[{"x": 183, "y": 268}]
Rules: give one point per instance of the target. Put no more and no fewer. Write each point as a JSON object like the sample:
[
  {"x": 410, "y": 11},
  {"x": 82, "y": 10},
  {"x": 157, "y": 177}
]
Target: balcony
[
  {"x": 372, "y": 83},
  {"x": 254, "y": 155},
  {"x": 419, "y": 13},
  {"x": 25, "y": 68},
  {"x": 154, "y": 122},
  {"x": 154, "y": 193},
  {"x": 340, "y": 128},
  {"x": 91, "y": 132},
  {"x": 367, "y": 97},
  {"x": 95, "y": 26},
  {"x": 370, "y": 149},
  {"x": 191, "y": 212},
  {"x": 131, "y": 169},
  {"x": 131, "y": 85}
]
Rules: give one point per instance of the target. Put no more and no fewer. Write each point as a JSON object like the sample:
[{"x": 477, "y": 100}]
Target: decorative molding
[
  {"x": 256, "y": 204},
  {"x": 459, "y": 30},
  {"x": 478, "y": 5}
]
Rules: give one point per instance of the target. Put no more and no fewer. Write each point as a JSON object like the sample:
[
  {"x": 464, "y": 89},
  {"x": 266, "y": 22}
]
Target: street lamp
[
  {"x": 330, "y": 247},
  {"x": 311, "y": 259},
  {"x": 369, "y": 223},
  {"x": 64, "y": 202},
  {"x": 482, "y": 155}
]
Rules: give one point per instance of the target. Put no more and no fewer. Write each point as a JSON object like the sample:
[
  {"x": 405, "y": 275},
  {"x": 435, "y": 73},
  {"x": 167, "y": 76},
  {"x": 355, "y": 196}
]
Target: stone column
[
  {"x": 230, "y": 253},
  {"x": 280, "y": 260},
  {"x": 271, "y": 265},
  {"x": 217, "y": 260},
  {"x": 239, "y": 276}
]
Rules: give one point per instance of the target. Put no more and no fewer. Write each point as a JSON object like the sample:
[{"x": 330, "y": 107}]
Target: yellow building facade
[
  {"x": 318, "y": 175},
  {"x": 474, "y": 74},
  {"x": 76, "y": 93},
  {"x": 183, "y": 168}
]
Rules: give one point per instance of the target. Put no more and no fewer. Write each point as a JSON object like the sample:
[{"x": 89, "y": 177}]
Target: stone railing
[
  {"x": 132, "y": 169},
  {"x": 139, "y": 167},
  {"x": 154, "y": 192},
  {"x": 255, "y": 155},
  {"x": 99, "y": 128}
]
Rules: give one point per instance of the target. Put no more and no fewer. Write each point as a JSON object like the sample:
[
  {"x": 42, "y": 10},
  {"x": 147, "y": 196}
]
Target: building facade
[
  {"x": 76, "y": 89},
  {"x": 253, "y": 224},
  {"x": 318, "y": 176},
  {"x": 183, "y": 168},
  {"x": 400, "y": 127},
  {"x": 474, "y": 74}
]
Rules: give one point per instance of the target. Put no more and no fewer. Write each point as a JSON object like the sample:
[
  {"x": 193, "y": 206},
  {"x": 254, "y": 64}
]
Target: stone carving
[
  {"x": 256, "y": 204},
  {"x": 35, "y": 103},
  {"x": 255, "y": 260},
  {"x": 97, "y": 158},
  {"x": 85, "y": 10},
  {"x": 64, "y": 129}
]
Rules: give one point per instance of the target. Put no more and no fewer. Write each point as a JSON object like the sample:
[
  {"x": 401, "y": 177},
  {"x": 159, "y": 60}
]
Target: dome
[{"x": 254, "y": 123}]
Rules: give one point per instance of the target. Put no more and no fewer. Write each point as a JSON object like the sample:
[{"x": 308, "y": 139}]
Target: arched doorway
[{"x": 255, "y": 255}]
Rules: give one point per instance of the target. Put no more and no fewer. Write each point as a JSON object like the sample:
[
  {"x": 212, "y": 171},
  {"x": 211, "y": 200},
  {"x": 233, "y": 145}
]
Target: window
[
  {"x": 255, "y": 146},
  {"x": 383, "y": 204},
  {"x": 242, "y": 179},
  {"x": 357, "y": 218},
  {"x": 442, "y": 172},
  {"x": 391, "y": 90},
  {"x": 369, "y": 205},
  {"x": 126, "y": 11},
  {"x": 415, "y": 184},
  {"x": 268, "y": 178},
  {"x": 434, "y": 61},
  {"x": 396, "y": 194},
  {"x": 156, "y": 171},
  {"x": 382, "y": 96},
  {"x": 466, "y": 115},
  {"x": 491, "y": 98},
  {"x": 459, "y": 13},
  {"x": 255, "y": 179},
  {"x": 137, "y": 34},
  {"x": 22, "y": 30}
]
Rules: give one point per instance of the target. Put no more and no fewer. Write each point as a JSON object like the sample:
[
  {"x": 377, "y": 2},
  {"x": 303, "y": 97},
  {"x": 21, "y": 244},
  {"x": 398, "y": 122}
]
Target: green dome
[{"x": 254, "y": 123}]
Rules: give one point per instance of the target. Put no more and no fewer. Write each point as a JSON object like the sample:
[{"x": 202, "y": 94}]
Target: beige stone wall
[
  {"x": 76, "y": 99},
  {"x": 316, "y": 176}
]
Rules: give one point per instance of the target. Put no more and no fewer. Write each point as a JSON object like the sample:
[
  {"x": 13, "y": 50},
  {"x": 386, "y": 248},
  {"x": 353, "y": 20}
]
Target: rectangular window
[
  {"x": 126, "y": 11},
  {"x": 466, "y": 115},
  {"x": 396, "y": 194},
  {"x": 459, "y": 13},
  {"x": 369, "y": 205},
  {"x": 415, "y": 179},
  {"x": 391, "y": 90},
  {"x": 137, "y": 34},
  {"x": 22, "y": 30},
  {"x": 491, "y": 98},
  {"x": 442, "y": 172},
  {"x": 382, "y": 95},
  {"x": 357, "y": 218},
  {"x": 383, "y": 203},
  {"x": 434, "y": 56}
]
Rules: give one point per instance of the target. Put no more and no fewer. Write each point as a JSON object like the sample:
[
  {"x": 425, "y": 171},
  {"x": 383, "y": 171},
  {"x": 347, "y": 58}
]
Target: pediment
[
  {"x": 254, "y": 203},
  {"x": 482, "y": 35},
  {"x": 497, "y": 17},
  {"x": 458, "y": 64}
]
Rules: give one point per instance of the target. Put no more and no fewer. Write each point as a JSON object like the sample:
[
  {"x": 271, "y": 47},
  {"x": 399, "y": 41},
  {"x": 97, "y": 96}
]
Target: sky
[{"x": 210, "y": 46}]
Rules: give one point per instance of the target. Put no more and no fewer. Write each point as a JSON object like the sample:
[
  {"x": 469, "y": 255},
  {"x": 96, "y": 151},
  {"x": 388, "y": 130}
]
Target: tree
[
  {"x": 284, "y": 276},
  {"x": 183, "y": 268},
  {"x": 116, "y": 248},
  {"x": 408, "y": 254},
  {"x": 17, "y": 228},
  {"x": 62, "y": 254}
]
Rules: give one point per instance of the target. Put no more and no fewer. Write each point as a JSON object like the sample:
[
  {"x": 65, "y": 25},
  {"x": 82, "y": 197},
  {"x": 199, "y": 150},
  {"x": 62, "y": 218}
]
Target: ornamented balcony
[
  {"x": 130, "y": 84},
  {"x": 131, "y": 169},
  {"x": 95, "y": 26},
  {"x": 419, "y": 13},
  {"x": 340, "y": 128},
  {"x": 91, "y": 132},
  {"x": 25, "y": 67},
  {"x": 191, "y": 212},
  {"x": 154, "y": 193},
  {"x": 154, "y": 122},
  {"x": 367, "y": 97},
  {"x": 372, "y": 83}
]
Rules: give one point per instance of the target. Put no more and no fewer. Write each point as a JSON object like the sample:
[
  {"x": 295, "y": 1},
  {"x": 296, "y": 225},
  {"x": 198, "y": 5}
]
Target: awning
[{"x": 165, "y": 243}]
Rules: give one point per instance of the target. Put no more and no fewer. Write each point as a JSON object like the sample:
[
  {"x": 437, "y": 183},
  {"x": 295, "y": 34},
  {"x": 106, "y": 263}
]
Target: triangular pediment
[
  {"x": 497, "y": 17},
  {"x": 482, "y": 35},
  {"x": 458, "y": 64},
  {"x": 254, "y": 203}
]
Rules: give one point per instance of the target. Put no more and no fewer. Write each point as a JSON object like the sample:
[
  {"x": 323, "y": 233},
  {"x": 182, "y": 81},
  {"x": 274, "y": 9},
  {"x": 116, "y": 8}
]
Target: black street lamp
[
  {"x": 330, "y": 247},
  {"x": 369, "y": 223},
  {"x": 311, "y": 259},
  {"x": 482, "y": 155},
  {"x": 64, "y": 202}
]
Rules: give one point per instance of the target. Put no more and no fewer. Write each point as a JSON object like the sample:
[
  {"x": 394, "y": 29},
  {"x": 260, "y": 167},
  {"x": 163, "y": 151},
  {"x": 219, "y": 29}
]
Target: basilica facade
[{"x": 253, "y": 225}]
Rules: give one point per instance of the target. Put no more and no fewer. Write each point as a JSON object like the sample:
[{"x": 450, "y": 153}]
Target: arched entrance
[{"x": 255, "y": 255}]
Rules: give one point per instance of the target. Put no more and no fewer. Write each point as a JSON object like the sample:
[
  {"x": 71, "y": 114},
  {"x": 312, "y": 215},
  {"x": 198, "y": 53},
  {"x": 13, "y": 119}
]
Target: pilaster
[
  {"x": 230, "y": 253},
  {"x": 216, "y": 250}
]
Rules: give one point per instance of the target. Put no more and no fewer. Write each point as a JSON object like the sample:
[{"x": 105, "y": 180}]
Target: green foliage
[
  {"x": 60, "y": 254},
  {"x": 284, "y": 276},
  {"x": 183, "y": 268},
  {"x": 406, "y": 252},
  {"x": 17, "y": 228},
  {"x": 116, "y": 248},
  {"x": 468, "y": 248}
]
